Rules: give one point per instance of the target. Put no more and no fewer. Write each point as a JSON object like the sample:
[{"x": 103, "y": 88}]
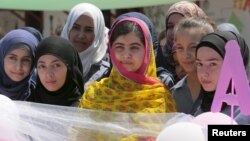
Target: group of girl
[
  {"x": 199, "y": 48},
  {"x": 60, "y": 70},
  {"x": 75, "y": 70}
]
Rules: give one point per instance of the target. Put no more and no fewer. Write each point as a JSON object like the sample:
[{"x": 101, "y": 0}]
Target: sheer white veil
[{"x": 26, "y": 121}]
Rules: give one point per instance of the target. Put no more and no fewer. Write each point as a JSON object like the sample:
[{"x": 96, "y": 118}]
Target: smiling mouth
[{"x": 19, "y": 74}]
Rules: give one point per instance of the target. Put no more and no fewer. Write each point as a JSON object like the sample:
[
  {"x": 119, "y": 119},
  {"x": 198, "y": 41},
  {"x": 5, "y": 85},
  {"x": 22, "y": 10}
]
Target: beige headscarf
[{"x": 185, "y": 8}]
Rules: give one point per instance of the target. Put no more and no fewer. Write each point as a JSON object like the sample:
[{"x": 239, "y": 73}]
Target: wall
[
  {"x": 53, "y": 21},
  {"x": 157, "y": 15},
  {"x": 233, "y": 11},
  {"x": 10, "y": 21}
]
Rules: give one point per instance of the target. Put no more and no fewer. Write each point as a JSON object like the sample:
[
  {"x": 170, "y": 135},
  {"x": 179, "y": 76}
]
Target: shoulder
[
  {"x": 179, "y": 84},
  {"x": 98, "y": 71}
]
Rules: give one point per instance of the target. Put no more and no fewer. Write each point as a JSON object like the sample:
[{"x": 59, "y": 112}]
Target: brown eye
[{"x": 40, "y": 66}]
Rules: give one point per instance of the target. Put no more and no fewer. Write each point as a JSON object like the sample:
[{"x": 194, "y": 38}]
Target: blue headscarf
[
  {"x": 12, "y": 89},
  {"x": 34, "y": 31}
]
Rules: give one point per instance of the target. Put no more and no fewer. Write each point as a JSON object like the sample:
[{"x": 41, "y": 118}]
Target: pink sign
[{"x": 233, "y": 69}]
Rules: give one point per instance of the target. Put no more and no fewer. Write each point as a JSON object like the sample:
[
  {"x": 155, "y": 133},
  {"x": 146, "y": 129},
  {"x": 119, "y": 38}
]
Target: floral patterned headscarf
[{"x": 131, "y": 92}]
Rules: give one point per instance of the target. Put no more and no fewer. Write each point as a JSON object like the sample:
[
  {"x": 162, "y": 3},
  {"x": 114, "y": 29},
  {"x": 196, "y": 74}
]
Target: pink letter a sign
[{"x": 232, "y": 69}]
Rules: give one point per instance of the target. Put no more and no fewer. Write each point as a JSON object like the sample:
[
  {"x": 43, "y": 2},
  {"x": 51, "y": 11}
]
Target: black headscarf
[
  {"x": 73, "y": 86},
  {"x": 217, "y": 42}
]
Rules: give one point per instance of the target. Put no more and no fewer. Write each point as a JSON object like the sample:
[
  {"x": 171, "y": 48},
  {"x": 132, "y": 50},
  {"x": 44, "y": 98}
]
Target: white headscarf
[{"x": 97, "y": 50}]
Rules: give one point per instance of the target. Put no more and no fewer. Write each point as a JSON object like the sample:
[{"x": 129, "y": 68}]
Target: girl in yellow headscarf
[{"x": 132, "y": 85}]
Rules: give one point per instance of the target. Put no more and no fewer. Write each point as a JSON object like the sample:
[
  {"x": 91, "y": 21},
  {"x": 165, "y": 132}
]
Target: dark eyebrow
[
  {"x": 12, "y": 54},
  {"x": 212, "y": 59},
  {"x": 90, "y": 27},
  {"x": 117, "y": 44},
  {"x": 138, "y": 44},
  {"x": 54, "y": 61}
]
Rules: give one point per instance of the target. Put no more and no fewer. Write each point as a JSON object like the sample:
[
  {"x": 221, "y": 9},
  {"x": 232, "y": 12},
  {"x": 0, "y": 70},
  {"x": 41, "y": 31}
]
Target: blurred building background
[{"x": 50, "y": 16}]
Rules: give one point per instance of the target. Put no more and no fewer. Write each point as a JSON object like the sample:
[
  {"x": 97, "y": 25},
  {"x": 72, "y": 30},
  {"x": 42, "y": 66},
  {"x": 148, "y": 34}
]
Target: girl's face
[
  {"x": 82, "y": 33},
  {"x": 17, "y": 64},
  {"x": 186, "y": 43},
  {"x": 173, "y": 20},
  {"x": 209, "y": 64},
  {"x": 129, "y": 51},
  {"x": 52, "y": 72}
]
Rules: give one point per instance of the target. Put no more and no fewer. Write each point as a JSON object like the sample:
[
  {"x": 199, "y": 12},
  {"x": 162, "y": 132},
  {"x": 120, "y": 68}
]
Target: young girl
[
  {"x": 85, "y": 29},
  {"x": 59, "y": 71},
  {"x": 17, "y": 52},
  {"x": 164, "y": 75},
  {"x": 178, "y": 11},
  {"x": 132, "y": 86},
  {"x": 187, "y": 35},
  {"x": 210, "y": 53}
]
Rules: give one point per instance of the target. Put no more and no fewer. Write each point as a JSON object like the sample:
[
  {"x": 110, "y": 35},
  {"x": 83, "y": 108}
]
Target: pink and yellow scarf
[{"x": 124, "y": 91}]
